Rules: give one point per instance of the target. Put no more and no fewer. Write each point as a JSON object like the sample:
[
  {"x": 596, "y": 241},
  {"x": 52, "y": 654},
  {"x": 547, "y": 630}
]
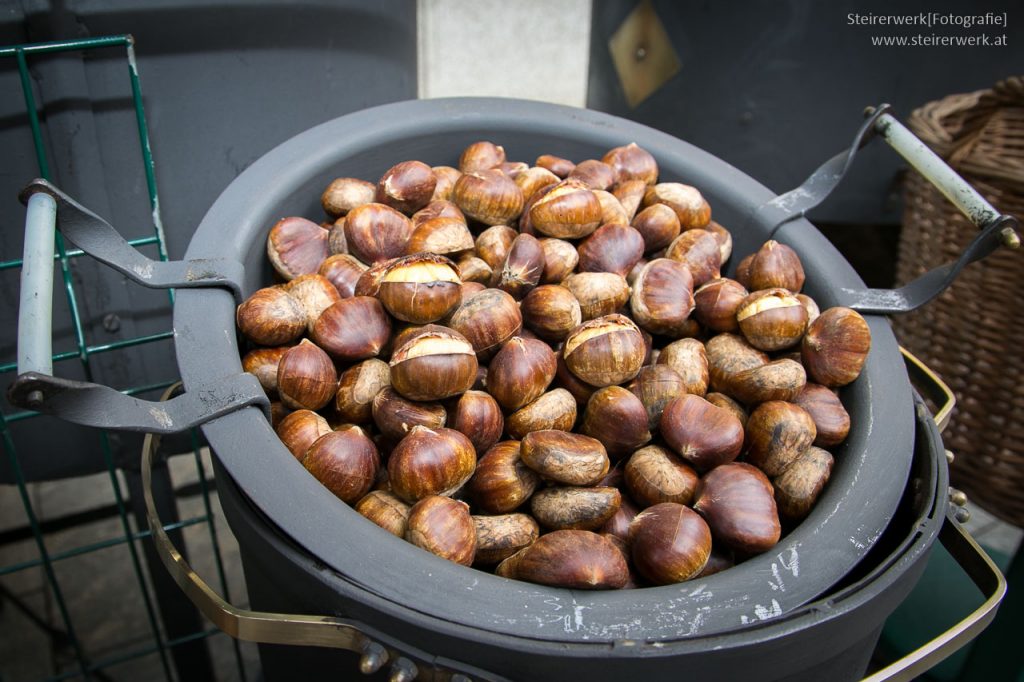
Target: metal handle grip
[
  {"x": 996, "y": 229},
  {"x": 983, "y": 573},
  {"x": 87, "y": 403},
  {"x": 275, "y": 628}
]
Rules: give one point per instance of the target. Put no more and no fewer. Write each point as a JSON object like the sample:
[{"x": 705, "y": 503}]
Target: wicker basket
[{"x": 972, "y": 334}]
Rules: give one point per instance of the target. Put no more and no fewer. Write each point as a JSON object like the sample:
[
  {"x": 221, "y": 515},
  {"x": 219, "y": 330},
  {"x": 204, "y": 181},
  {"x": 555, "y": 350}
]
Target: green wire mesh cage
[{"x": 174, "y": 636}]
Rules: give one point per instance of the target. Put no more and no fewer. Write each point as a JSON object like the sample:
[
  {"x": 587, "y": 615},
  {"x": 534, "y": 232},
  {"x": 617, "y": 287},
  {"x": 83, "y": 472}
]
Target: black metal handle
[
  {"x": 996, "y": 229},
  {"x": 91, "y": 404}
]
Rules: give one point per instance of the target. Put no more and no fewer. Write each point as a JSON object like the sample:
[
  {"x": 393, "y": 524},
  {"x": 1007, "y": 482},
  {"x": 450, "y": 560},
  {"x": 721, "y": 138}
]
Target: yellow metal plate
[{"x": 643, "y": 54}]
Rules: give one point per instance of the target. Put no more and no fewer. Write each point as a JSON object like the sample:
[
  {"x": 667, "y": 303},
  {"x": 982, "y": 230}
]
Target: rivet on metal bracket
[
  {"x": 373, "y": 659},
  {"x": 403, "y": 670},
  {"x": 949, "y": 456},
  {"x": 957, "y": 497}
]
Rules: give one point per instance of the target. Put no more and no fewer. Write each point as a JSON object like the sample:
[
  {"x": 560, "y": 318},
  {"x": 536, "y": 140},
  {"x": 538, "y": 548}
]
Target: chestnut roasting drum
[{"x": 810, "y": 601}]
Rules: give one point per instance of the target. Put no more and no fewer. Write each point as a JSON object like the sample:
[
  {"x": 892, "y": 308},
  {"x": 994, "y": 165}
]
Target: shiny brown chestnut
[
  {"x": 798, "y": 487},
  {"x": 572, "y": 559},
  {"x": 691, "y": 208},
  {"x": 618, "y": 525},
  {"x": 551, "y": 312},
  {"x": 296, "y": 246},
  {"x": 488, "y": 196},
  {"x": 662, "y": 298},
  {"x": 654, "y": 475},
  {"x": 385, "y": 510},
  {"x": 446, "y": 177},
  {"x": 532, "y": 179},
  {"x": 778, "y": 380},
  {"x": 569, "y": 210},
  {"x": 476, "y": 270},
  {"x": 357, "y": 387},
  {"x": 488, "y": 320},
  {"x": 262, "y": 363},
  {"x": 598, "y": 293},
  {"x": 605, "y": 351},
  {"x": 812, "y": 307},
  {"x": 836, "y": 346},
  {"x": 430, "y": 462},
  {"x": 563, "y": 457},
  {"x": 699, "y": 251},
  {"x": 716, "y": 303},
  {"x": 344, "y": 194},
  {"x": 724, "y": 401},
  {"x": 777, "y": 434},
  {"x": 560, "y": 260},
  {"x": 306, "y": 378},
  {"x": 656, "y": 386},
  {"x": 594, "y": 174},
  {"x": 502, "y": 482},
  {"x": 343, "y": 271},
  {"x": 315, "y": 294},
  {"x": 300, "y": 429},
  {"x": 556, "y": 164},
  {"x": 737, "y": 501},
  {"x": 556, "y": 409},
  {"x": 612, "y": 212},
  {"x": 433, "y": 365},
  {"x": 499, "y": 537},
  {"x": 444, "y": 236},
  {"x": 407, "y": 186},
  {"x": 271, "y": 317},
  {"x": 704, "y": 435},
  {"x": 421, "y": 288},
  {"x": 669, "y": 543},
  {"x": 724, "y": 238},
  {"x": 368, "y": 283},
  {"x": 831, "y": 420},
  {"x": 775, "y": 266},
  {"x": 689, "y": 358},
  {"x": 630, "y": 194},
  {"x": 658, "y": 224},
  {"x": 617, "y": 419},
  {"x": 395, "y": 416},
  {"x": 345, "y": 462},
  {"x": 520, "y": 372},
  {"x": 522, "y": 268},
  {"x": 772, "y": 319},
  {"x": 632, "y": 162},
  {"x": 611, "y": 248},
  {"x": 353, "y": 329},
  {"x": 728, "y": 355},
  {"x": 443, "y": 527},
  {"x": 478, "y": 416},
  {"x": 375, "y": 232},
  {"x": 492, "y": 244},
  {"x": 480, "y": 156},
  {"x": 574, "y": 508},
  {"x": 437, "y": 208}
]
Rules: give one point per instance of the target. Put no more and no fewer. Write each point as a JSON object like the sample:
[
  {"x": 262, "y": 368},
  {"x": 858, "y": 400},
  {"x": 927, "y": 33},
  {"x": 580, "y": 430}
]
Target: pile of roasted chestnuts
[{"x": 540, "y": 370}]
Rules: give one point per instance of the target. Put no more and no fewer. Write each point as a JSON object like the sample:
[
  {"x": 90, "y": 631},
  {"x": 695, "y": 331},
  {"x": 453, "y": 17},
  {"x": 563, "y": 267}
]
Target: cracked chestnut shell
[
  {"x": 572, "y": 559},
  {"x": 306, "y": 378},
  {"x": 836, "y": 346},
  {"x": 502, "y": 481},
  {"x": 605, "y": 351},
  {"x": 617, "y": 419},
  {"x": 703, "y": 434},
  {"x": 433, "y": 365},
  {"x": 669, "y": 543},
  {"x": 654, "y": 475},
  {"x": 357, "y": 387},
  {"x": 563, "y": 457},
  {"x": 520, "y": 372},
  {"x": 296, "y": 246},
  {"x": 430, "y": 462},
  {"x": 420, "y": 288},
  {"x": 345, "y": 462},
  {"x": 271, "y": 317},
  {"x": 737, "y": 501},
  {"x": 443, "y": 527},
  {"x": 353, "y": 329},
  {"x": 777, "y": 434},
  {"x": 772, "y": 319}
]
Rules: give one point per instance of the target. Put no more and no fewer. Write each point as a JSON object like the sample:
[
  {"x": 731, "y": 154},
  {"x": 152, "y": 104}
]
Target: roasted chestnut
[
  {"x": 618, "y": 419},
  {"x": 420, "y": 288},
  {"x": 376, "y": 233},
  {"x": 395, "y": 416},
  {"x": 556, "y": 409},
  {"x": 487, "y": 319},
  {"x": 443, "y": 527},
  {"x": 689, "y": 358},
  {"x": 775, "y": 266},
  {"x": 669, "y": 543},
  {"x": 385, "y": 510},
  {"x": 728, "y": 355},
  {"x": 703, "y": 434},
  {"x": 658, "y": 224},
  {"x": 556, "y": 164},
  {"x": 481, "y": 156},
  {"x": 656, "y": 386},
  {"x": 699, "y": 251},
  {"x": 772, "y": 319},
  {"x": 357, "y": 387},
  {"x": 502, "y": 481},
  {"x": 574, "y": 508},
  {"x": 343, "y": 271},
  {"x": 306, "y": 378},
  {"x": 446, "y": 177},
  {"x": 594, "y": 174},
  {"x": 572, "y": 559},
  {"x": 444, "y": 236},
  {"x": 315, "y": 294},
  {"x": 499, "y": 537},
  {"x": 798, "y": 487},
  {"x": 433, "y": 365},
  {"x": 344, "y": 194},
  {"x": 522, "y": 268},
  {"x": 478, "y": 416},
  {"x": 296, "y": 246},
  {"x": 430, "y": 462},
  {"x": 569, "y": 210},
  {"x": 563, "y": 457},
  {"x": 488, "y": 196},
  {"x": 353, "y": 328},
  {"x": 716, "y": 304},
  {"x": 835, "y": 347},
  {"x": 300, "y": 429},
  {"x": 778, "y": 380},
  {"x": 630, "y": 194},
  {"x": 611, "y": 248},
  {"x": 271, "y": 317},
  {"x": 778, "y": 433},
  {"x": 520, "y": 372},
  {"x": 662, "y": 298},
  {"x": 654, "y": 475},
  {"x": 831, "y": 420},
  {"x": 345, "y": 462},
  {"x": 737, "y": 501},
  {"x": 551, "y": 312},
  {"x": 598, "y": 293},
  {"x": 605, "y": 351},
  {"x": 688, "y": 203},
  {"x": 632, "y": 162},
  {"x": 262, "y": 363}
]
